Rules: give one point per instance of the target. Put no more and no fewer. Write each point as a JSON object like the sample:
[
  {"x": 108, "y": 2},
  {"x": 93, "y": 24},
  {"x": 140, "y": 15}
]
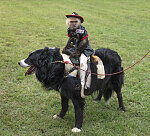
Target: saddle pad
[
  {"x": 69, "y": 67},
  {"x": 100, "y": 69}
]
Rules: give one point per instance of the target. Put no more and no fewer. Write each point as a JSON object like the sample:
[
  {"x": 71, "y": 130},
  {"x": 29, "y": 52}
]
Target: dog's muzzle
[
  {"x": 31, "y": 69},
  {"x": 23, "y": 64}
]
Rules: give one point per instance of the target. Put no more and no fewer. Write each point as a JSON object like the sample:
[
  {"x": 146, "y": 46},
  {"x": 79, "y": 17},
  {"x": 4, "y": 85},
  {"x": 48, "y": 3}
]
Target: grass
[{"x": 26, "y": 25}]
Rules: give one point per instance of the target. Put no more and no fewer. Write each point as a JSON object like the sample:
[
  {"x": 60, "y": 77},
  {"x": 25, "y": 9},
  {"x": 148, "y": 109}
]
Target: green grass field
[{"x": 26, "y": 109}]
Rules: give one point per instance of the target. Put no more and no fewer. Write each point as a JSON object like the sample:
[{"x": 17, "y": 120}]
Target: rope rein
[{"x": 67, "y": 62}]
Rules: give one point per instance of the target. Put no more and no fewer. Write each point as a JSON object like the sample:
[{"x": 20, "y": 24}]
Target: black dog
[{"x": 50, "y": 71}]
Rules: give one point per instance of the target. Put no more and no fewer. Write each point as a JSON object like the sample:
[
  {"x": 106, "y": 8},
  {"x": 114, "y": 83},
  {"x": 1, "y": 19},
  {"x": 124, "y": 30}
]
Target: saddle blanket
[{"x": 100, "y": 70}]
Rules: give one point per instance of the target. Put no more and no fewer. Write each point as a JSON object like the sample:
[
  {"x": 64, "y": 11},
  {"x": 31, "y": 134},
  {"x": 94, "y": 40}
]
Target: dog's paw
[
  {"x": 122, "y": 110},
  {"x": 55, "y": 116},
  {"x": 75, "y": 130}
]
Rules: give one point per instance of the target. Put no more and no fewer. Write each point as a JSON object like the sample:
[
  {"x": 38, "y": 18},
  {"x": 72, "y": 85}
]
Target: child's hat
[{"x": 74, "y": 14}]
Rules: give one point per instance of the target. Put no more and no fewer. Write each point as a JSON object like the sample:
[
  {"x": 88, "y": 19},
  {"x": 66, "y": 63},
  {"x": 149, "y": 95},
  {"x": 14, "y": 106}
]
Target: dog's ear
[
  {"x": 56, "y": 51},
  {"x": 44, "y": 56},
  {"x": 51, "y": 51},
  {"x": 46, "y": 49}
]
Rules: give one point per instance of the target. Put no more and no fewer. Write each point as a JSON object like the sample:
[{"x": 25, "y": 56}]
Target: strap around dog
[{"x": 71, "y": 70}]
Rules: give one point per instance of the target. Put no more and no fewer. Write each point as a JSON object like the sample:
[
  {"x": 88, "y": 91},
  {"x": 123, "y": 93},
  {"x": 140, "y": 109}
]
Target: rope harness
[{"x": 67, "y": 62}]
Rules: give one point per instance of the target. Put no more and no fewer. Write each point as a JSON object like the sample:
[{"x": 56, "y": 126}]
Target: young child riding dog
[{"x": 78, "y": 46}]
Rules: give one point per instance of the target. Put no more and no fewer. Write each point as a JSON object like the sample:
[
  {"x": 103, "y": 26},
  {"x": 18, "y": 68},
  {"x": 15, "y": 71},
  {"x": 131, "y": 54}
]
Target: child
[{"x": 78, "y": 46}]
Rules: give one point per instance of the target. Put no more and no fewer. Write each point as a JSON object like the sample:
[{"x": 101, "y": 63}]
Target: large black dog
[{"x": 50, "y": 71}]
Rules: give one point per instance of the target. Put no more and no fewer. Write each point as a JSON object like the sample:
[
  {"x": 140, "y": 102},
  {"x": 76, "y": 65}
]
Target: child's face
[{"x": 73, "y": 23}]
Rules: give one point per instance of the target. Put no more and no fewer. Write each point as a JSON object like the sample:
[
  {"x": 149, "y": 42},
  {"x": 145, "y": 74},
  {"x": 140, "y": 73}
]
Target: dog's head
[{"x": 40, "y": 58}]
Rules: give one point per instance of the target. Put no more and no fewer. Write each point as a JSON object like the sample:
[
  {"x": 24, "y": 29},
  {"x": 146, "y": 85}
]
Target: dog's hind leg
[
  {"x": 117, "y": 89},
  {"x": 117, "y": 84},
  {"x": 98, "y": 98},
  {"x": 79, "y": 109},
  {"x": 120, "y": 101},
  {"x": 101, "y": 89},
  {"x": 64, "y": 105}
]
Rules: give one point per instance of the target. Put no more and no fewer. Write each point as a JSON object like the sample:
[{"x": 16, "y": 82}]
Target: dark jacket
[{"x": 79, "y": 37}]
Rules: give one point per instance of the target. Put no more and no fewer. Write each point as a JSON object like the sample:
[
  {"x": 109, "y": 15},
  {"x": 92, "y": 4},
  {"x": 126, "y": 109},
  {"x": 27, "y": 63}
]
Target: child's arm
[{"x": 82, "y": 45}]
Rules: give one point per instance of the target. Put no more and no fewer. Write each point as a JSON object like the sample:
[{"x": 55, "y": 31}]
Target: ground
[{"x": 26, "y": 25}]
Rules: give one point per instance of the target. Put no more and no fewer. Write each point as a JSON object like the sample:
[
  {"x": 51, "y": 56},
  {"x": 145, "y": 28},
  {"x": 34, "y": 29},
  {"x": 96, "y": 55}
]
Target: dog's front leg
[
  {"x": 64, "y": 105},
  {"x": 79, "y": 109}
]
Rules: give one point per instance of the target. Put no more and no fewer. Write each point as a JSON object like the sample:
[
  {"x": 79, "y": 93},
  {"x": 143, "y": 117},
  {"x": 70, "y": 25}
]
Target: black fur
[{"x": 51, "y": 75}]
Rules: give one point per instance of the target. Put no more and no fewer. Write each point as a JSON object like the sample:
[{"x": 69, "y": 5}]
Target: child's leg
[{"x": 83, "y": 65}]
